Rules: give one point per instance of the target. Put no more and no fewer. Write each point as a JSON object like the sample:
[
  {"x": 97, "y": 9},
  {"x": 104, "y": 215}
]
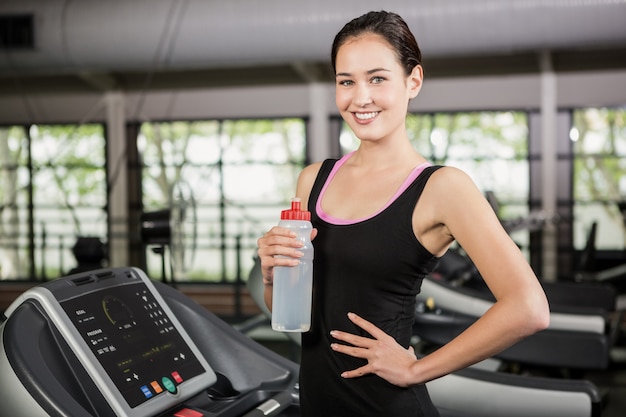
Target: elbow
[
  {"x": 538, "y": 315},
  {"x": 531, "y": 314},
  {"x": 542, "y": 321}
]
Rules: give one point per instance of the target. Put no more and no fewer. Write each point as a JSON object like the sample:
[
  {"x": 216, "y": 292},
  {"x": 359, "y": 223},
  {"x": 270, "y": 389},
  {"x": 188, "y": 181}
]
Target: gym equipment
[
  {"x": 174, "y": 228},
  {"x": 480, "y": 393},
  {"x": 459, "y": 271},
  {"x": 574, "y": 340},
  {"x": 614, "y": 276},
  {"x": 476, "y": 392},
  {"x": 111, "y": 342},
  {"x": 54, "y": 361},
  {"x": 580, "y": 336},
  {"x": 89, "y": 252}
]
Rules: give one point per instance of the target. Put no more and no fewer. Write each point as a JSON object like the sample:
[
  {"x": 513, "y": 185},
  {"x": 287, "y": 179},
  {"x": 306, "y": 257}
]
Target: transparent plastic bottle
[{"x": 293, "y": 285}]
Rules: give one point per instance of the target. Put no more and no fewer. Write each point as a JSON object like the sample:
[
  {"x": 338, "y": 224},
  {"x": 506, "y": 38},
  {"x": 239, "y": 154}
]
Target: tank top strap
[{"x": 320, "y": 181}]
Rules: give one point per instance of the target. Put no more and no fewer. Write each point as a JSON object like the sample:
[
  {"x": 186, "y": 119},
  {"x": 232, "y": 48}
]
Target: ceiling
[{"x": 89, "y": 45}]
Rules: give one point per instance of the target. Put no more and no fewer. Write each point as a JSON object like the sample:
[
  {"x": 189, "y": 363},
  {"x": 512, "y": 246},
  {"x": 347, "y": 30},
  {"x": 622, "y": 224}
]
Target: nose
[{"x": 362, "y": 96}]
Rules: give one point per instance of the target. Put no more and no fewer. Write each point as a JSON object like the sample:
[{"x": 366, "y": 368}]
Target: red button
[
  {"x": 177, "y": 377},
  {"x": 187, "y": 412}
]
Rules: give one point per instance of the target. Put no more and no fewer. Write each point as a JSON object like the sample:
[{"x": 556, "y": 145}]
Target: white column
[
  {"x": 319, "y": 126},
  {"x": 117, "y": 178},
  {"x": 549, "y": 170}
]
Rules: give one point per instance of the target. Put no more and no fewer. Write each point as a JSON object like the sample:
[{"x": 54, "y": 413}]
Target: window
[
  {"x": 598, "y": 140},
  {"x": 233, "y": 176},
  {"x": 14, "y": 197},
  {"x": 53, "y": 191}
]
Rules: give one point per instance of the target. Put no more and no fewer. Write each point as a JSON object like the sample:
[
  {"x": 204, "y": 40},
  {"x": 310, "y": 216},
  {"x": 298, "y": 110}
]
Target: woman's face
[{"x": 372, "y": 90}]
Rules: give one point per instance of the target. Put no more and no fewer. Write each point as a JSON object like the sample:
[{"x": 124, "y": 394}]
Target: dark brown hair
[{"x": 391, "y": 27}]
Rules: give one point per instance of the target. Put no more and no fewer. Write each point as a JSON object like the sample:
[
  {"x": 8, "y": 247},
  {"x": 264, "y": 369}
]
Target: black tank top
[{"x": 373, "y": 267}]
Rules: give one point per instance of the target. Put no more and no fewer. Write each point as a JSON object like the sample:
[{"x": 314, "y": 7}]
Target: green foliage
[
  {"x": 476, "y": 135},
  {"x": 599, "y": 146}
]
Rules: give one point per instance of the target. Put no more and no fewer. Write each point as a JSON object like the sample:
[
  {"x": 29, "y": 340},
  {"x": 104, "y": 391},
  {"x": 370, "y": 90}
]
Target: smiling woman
[
  {"x": 382, "y": 216},
  {"x": 371, "y": 83}
]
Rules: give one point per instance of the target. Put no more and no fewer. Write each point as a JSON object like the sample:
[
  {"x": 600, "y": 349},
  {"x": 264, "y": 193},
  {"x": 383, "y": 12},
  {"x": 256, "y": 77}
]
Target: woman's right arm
[{"x": 281, "y": 241}]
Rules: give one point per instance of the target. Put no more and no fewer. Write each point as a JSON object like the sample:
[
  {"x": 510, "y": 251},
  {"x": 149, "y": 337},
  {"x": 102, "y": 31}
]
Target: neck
[{"x": 381, "y": 155}]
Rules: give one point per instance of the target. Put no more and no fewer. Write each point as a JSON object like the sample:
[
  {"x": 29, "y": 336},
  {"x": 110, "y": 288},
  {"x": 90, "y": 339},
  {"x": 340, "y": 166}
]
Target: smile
[{"x": 366, "y": 116}]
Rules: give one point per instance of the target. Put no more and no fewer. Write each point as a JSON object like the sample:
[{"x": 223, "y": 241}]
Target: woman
[{"x": 382, "y": 217}]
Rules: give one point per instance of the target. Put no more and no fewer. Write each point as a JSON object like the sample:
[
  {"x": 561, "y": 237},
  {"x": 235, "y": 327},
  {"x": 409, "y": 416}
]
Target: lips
[{"x": 366, "y": 116}]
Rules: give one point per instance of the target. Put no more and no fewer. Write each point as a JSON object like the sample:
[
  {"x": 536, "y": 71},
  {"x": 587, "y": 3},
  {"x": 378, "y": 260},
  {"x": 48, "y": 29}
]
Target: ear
[{"x": 414, "y": 81}]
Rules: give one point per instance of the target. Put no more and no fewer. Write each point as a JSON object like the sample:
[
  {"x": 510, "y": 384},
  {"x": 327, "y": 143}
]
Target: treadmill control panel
[
  {"x": 127, "y": 339},
  {"x": 133, "y": 338}
]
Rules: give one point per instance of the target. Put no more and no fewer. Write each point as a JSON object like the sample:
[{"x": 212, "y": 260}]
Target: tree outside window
[
  {"x": 598, "y": 138},
  {"x": 233, "y": 175},
  {"x": 53, "y": 191}
]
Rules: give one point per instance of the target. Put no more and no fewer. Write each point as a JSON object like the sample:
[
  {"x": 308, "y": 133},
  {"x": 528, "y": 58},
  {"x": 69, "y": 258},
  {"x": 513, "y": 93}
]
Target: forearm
[{"x": 498, "y": 329}]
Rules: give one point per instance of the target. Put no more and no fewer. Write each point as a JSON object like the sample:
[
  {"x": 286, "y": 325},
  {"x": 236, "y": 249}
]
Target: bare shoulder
[
  {"x": 451, "y": 190},
  {"x": 305, "y": 181},
  {"x": 449, "y": 180},
  {"x": 458, "y": 204},
  {"x": 310, "y": 172}
]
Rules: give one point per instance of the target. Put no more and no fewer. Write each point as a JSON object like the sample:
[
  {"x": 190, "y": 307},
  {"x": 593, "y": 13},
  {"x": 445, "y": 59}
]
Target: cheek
[
  {"x": 388, "y": 95},
  {"x": 342, "y": 100}
]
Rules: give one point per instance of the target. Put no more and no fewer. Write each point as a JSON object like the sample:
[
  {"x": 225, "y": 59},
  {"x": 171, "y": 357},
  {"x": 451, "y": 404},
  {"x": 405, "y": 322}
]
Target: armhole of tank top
[{"x": 320, "y": 181}]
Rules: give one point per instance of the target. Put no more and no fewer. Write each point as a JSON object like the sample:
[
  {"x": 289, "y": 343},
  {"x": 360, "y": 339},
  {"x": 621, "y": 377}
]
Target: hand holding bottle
[{"x": 293, "y": 285}]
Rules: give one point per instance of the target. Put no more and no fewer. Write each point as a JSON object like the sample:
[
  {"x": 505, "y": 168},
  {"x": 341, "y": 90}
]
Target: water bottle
[{"x": 293, "y": 285}]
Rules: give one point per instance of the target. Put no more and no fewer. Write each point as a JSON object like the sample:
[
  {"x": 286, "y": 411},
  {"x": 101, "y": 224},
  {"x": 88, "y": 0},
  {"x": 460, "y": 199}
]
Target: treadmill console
[{"x": 127, "y": 339}]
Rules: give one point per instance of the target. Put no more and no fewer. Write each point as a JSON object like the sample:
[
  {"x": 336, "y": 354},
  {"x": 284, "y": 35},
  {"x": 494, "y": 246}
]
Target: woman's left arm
[{"x": 521, "y": 307}]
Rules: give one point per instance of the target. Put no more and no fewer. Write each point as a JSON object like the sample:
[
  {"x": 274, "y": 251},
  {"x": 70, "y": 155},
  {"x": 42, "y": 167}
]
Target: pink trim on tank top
[{"x": 334, "y": 220}]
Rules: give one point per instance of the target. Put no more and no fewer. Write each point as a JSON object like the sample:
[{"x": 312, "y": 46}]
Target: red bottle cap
[{"x": 295, "y": 213}]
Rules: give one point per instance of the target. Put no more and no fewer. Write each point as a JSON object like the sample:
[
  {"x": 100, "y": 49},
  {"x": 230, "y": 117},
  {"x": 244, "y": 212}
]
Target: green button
[{"x": 169, "y": 385}]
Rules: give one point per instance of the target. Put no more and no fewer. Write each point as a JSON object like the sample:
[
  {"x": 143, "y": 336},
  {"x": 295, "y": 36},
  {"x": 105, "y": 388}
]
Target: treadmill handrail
[
  {"x": 455, "y": 300},
  {"x": 480, "y": 393}
]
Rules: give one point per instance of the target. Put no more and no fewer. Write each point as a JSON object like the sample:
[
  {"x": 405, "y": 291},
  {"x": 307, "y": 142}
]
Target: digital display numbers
[{"x": 134, "y": 340}]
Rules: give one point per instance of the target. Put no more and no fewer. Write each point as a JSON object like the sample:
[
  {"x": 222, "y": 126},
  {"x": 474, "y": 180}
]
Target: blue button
[{"x": 146, "y": 391}]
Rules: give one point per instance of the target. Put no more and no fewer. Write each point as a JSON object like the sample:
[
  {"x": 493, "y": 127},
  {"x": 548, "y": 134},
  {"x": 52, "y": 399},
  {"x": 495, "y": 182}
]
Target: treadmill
[
  {"x": 112, "y": 342},
  {"x": 577, "y": 338}
]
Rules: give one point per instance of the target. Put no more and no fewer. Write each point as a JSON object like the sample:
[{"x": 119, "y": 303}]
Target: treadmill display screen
[{"x": 134, "y": 340}]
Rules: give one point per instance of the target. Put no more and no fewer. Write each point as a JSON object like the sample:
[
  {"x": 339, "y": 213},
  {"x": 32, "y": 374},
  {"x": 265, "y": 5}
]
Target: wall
[{"x": 599, "y": 88}]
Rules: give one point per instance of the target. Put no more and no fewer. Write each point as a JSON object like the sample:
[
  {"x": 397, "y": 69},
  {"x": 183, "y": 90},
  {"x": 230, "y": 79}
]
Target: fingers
[
  {"x": 277, "y": 235},
  {"x": 357, "y": 348},
  {"x": 356, "y": 373},
  {"x": 367, "y": 326},
  {"x": 357, "y": 352},
  {"x": 278, "y": 247},
  {"x": 384, "y": 356},
  {"x": 356, "y": 342},
  {"x": 359, "y": 341}
]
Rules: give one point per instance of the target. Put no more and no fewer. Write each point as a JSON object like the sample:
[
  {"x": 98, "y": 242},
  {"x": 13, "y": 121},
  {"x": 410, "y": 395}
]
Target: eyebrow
[{"x": 369, "y": 72}]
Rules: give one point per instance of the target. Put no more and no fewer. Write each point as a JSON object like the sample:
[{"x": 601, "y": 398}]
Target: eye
[
  {"x": 377, "y": 79},
  {"x": 345, "y": 83}
]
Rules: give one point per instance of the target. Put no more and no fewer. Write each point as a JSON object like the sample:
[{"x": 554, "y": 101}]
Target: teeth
[{"x": 366, "y": 116}]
